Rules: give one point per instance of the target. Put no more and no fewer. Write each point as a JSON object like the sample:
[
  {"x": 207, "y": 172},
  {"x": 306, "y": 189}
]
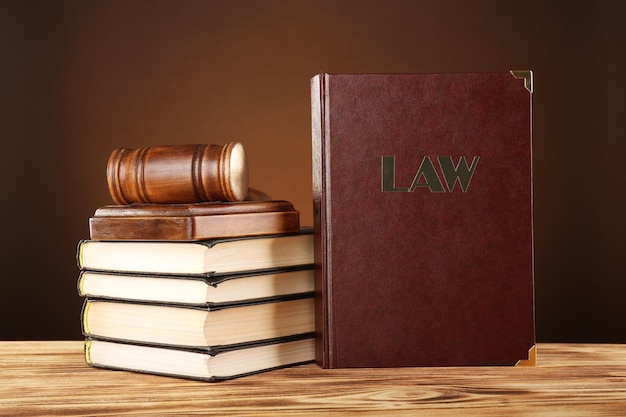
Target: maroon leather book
[{"x": 422, "y": 189}]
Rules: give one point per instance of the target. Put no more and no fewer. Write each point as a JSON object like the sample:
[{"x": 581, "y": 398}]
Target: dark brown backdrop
[{"x": 79, "y": 79}]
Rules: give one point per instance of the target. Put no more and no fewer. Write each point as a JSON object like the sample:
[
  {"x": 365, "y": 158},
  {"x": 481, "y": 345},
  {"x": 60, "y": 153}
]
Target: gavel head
[{"x": 178, "y": 174}]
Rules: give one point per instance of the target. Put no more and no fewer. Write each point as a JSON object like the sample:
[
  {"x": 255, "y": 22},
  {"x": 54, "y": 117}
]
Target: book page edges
[
  {"x": 525, "y": 75},
  {"x": 532, "y": 358}
]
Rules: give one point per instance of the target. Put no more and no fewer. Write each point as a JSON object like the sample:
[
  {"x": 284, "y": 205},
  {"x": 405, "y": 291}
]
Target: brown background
[{"x": 78, "y": 79}]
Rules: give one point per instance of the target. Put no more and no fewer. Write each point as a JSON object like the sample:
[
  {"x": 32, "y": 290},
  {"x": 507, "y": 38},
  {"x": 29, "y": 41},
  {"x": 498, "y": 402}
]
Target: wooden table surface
[{"x": 51, "y": 378}]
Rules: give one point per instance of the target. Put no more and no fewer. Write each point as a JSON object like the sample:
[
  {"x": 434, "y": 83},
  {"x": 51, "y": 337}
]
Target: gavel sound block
[{"x": 190, "y": 222}]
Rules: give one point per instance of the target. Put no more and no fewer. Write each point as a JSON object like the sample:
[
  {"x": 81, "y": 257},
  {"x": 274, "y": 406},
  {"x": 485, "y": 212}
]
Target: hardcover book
[
  {"x": 206, "y": 257},
  {"x": 212, "y": 291},
  {"x": 422, "y": 188},
  {"x": 200, "y": 328},
  {"x": 198, "y": 364}
]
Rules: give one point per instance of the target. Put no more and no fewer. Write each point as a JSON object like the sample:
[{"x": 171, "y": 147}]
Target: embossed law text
[{"x": 427, "y": 176}]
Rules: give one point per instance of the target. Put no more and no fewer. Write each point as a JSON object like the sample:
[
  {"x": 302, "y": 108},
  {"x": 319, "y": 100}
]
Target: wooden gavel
[{"x": 178, "y": 174}]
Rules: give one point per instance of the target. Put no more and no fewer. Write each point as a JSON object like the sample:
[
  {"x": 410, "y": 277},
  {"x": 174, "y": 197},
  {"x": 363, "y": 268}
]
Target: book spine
[
  {"x": 321, "y": 254},
  {"x": 79, "y": 253},
  {"x": 87, "y": 353}
]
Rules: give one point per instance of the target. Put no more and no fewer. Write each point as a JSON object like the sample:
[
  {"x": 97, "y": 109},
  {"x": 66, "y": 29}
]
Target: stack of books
[{"x": 208, "y": 290}]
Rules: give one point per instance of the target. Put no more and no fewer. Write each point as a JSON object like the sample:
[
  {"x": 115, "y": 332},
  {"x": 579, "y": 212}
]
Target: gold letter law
[{"x": 427, "y": 176}]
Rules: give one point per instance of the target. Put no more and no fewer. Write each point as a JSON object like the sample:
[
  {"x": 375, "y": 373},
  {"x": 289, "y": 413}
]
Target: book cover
[
  {"x": 193, "y": 222},
  {"x": 422, "y": 188}
]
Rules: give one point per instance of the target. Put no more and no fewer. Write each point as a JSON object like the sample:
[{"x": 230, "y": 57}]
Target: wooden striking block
[{"x": 197, "y": 221}]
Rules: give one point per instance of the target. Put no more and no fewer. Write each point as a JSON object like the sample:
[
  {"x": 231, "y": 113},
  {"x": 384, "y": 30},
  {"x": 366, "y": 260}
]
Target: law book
[
  {"x": 422, "y": 188},
  {"x": 194, "y": 327},
  {"x": 213, "y": 291},
  {"x": 199, "y": 364},
  {"x": 193, "y": 222},
  {"x": 206, "y": 257}
]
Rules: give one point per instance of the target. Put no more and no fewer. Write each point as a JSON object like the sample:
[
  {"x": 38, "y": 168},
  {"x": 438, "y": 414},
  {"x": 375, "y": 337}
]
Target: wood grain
[
  {"x": 178, "y": 174},
  {"x": 51, "y": 378},
  {"x": 188, "y": 222}
]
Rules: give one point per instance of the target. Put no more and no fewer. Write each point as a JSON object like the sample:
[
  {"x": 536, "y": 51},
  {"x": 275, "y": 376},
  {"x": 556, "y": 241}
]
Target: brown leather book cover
[
  {"x": 192, "y": 222},
  {"x": 422, "y": 188}
]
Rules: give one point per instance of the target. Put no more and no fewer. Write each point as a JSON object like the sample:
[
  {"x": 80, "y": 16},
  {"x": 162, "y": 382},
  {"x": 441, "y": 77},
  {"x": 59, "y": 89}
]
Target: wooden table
[{"x": 51, "y": 378}]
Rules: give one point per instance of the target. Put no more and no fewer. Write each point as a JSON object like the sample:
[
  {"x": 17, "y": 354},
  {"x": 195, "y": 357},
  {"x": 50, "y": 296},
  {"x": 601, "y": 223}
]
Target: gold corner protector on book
[
  {"x": 88, "y": 352},
  {"x": 532, "y": 358},
  {"x": 525, "y": 75}
]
